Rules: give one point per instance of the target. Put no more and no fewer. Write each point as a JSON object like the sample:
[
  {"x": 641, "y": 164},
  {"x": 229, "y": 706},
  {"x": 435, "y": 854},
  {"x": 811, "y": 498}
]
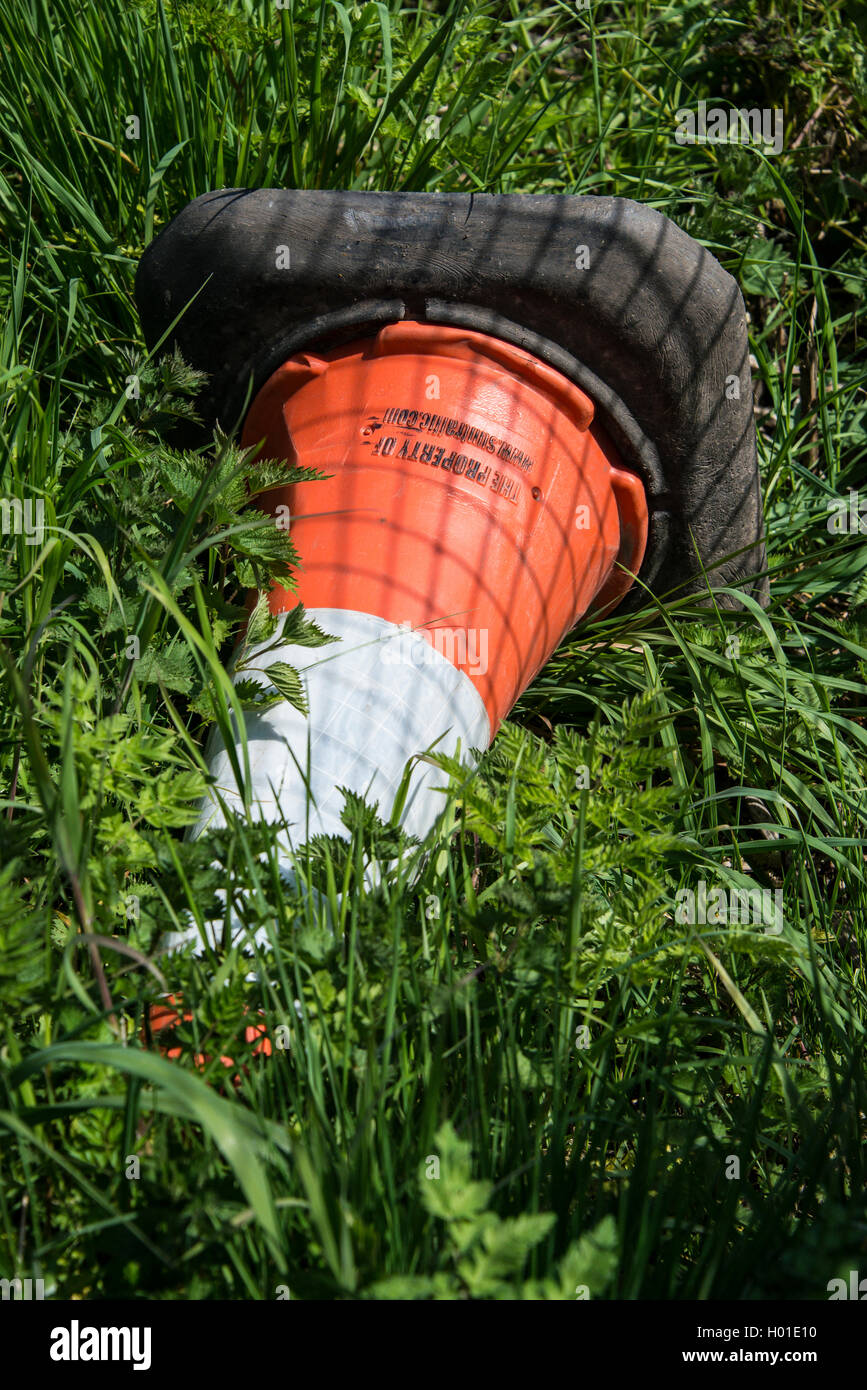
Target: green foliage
[{"x": 484, "y": 1254}]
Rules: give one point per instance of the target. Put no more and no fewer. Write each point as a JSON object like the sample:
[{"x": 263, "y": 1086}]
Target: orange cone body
[
  {"x": 471, "y": 496},
  {"x": 164, "y": 1018}
]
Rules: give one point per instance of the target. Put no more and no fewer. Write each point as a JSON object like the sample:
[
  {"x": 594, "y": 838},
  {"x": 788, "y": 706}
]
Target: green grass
[{"x": 517, "y": 1004}]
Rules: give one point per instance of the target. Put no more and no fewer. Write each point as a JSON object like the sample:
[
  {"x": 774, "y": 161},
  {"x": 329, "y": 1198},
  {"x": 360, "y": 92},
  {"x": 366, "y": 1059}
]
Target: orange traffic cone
[
  {"x": 473, "y": 513},
  {"x": 163, "y": 1019}
]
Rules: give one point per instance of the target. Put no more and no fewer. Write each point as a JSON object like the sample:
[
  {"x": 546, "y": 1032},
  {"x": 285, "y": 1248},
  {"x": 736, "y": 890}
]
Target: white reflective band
[{"x": 378, "y": 697}]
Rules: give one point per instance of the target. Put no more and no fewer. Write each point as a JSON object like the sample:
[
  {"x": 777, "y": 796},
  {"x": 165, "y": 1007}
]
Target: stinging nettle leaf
[
  {"x": 287, "y": 680},
  {"x": 302, "y": 631},
  {"x": 262, "y": 624}
]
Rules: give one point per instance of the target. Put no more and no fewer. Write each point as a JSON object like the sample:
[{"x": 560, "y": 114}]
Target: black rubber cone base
[{"x": 610, "y": 292}]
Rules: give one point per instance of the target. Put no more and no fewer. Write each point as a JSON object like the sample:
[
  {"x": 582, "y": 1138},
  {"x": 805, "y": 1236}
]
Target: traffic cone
[
  {"x": 473, "y": 513},
  {"x": 533, "y": 396},
  {"x": 162, "y": 1020}
]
